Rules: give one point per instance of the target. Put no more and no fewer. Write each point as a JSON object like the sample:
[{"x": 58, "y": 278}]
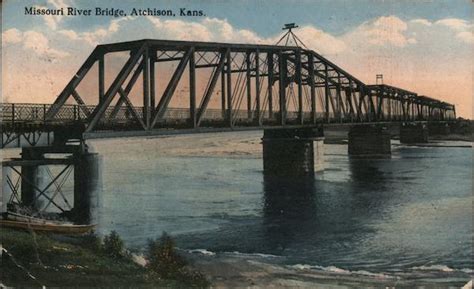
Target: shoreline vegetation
[{"x": 34, "y": 260}]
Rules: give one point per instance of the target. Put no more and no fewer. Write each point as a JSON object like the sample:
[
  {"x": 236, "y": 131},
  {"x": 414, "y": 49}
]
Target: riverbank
[
  {"x": 36, "y": 260},
  {"x": 53, "y": 261},
  {"x": 235, "y": 270}
]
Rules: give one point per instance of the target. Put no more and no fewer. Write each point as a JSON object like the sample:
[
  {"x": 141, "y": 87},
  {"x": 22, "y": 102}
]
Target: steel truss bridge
[{"x": 202, "y": 85}]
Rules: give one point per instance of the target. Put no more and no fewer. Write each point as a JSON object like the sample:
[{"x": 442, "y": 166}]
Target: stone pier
[
  {"x": 413, "y": 133},
  {"x": 369, "y": 140},
  {"x": 439, "y": 128},
  {"x": 87, "y": 187},
  {"x": 292, "y": 151}
]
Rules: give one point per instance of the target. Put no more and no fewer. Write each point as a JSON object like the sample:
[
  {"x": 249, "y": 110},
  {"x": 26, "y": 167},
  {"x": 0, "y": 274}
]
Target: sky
[{"x": 424, "y": 46}]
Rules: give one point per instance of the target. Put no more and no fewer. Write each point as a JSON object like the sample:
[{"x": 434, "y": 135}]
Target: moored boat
[{"x": 14, "y": 220}]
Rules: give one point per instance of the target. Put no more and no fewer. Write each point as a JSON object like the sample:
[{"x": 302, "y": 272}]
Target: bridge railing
[
  {"x": 30, "y": 112},
  {"x": 14, "y": 113}
]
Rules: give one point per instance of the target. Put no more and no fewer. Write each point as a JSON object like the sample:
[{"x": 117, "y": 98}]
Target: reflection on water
[{"x": 288, "y": 208}]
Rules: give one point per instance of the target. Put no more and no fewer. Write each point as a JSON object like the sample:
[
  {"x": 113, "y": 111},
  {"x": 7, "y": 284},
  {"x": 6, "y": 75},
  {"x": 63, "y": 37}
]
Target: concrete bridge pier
[
  {"x": 438, "y": 128},
  {"x": 87, "y": 179},
  {"x": 413, "y": 133},
  {"x": 87, "y": 187},
  {"x": 369, "y": 140},
  {"x": 292, "y": 152}
]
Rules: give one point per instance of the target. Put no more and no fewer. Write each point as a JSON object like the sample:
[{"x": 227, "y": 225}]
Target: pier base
[
  {"x": 87, "y": 187},
  {"x": 413, "y": 133},
  {"x": 439, "y": 128},
  {"x": 291, "y": 151},
  {"x": 369, "y": 140}
]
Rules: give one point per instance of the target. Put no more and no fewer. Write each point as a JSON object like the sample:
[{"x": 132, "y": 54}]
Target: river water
[
  {"x": 406, "y": 214},
  {"x": 410, "y": 212}
]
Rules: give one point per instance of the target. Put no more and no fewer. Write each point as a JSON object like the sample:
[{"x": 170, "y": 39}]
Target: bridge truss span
[{"x": 149, "y": 84}]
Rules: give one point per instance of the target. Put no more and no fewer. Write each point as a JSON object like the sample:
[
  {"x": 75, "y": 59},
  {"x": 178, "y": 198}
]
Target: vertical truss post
[
  {"x": 417, "y": 110},
  {"x": 393, "y": 108},
  {"x": 146, "y": 88},
  {"x": 339, "y": 97},
  {"x": 192, "y": 90},
  {"x": 229, "y": 87},
  {"x": 270, "y": 84},
  {"x": 401, "y": 108},
  {"x": 248, "y": 84},
  {"x": 380, "y": 94},
  {"x": 398, "y": 110},
  {"x": 405, "y": 110},
  {"x": 223, "y": 107},
  {"x": 282, "y": 85},
  {"x": 372, "y": 107},
  {"x": 311, "y": 86},
  {"x": 257, "y": 86},
  {"x": 326, "y": 92},
  {"x": 361, "y": 102},
  {"x": 389, "y": 99},
  {"x": 101, "y": 78},
  {"x": 349, "y": 100},
  {"x": 409, "y": 109},
  {"x": 152, "y": 78},
  {"x": 300, "y": 88}
]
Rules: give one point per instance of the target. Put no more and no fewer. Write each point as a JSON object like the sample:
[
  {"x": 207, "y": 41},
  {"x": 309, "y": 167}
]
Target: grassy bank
[{"x": 34, "y": 260}]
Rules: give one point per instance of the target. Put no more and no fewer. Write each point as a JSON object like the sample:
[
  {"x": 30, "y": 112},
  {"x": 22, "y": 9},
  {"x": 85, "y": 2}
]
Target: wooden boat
[{"x": 14, "y": 220}]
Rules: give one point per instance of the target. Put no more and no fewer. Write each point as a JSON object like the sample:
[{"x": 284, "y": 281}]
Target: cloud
[
  {"x": 11, "y": 36},
  {"x": 71, "y": 34},
  {"x": 177, "y": 29},
  {"x": 97, "y": 36},
  {"x": 38, "y": 43},
  {"x": 466, "y": 36},
  {"x": 421, "y": 22},
  {"x": 33, "y": 41},
  {"x": 385, "y": 30},
  {"x": 53, "y": 21},
  {"x": 321, "y": 41},
  {"x": 458, "y": 24}
]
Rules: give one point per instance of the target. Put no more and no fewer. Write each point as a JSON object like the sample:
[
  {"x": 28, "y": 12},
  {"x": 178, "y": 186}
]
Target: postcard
[{"x": 236, "y": 144}]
